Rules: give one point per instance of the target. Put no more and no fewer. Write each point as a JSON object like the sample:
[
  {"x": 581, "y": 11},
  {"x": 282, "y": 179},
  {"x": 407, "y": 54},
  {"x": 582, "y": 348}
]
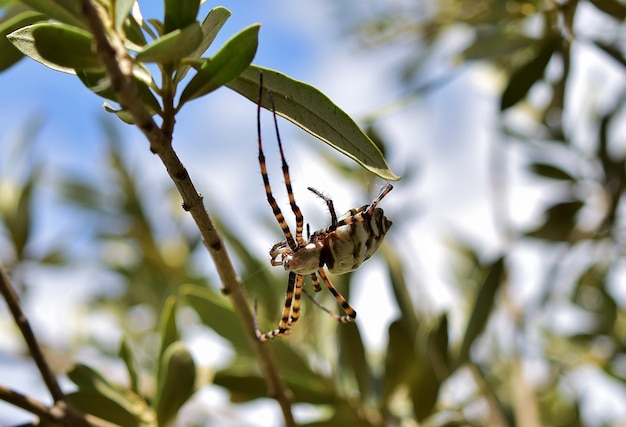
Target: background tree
[{"x": 499, "y": 354}]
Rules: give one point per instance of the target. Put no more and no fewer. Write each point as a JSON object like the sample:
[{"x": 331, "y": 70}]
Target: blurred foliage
[{"x": 430, "y": 373}]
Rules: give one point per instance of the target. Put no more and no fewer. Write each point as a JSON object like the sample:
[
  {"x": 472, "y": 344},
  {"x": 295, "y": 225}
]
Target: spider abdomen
[{"x": 347, "y": 247}]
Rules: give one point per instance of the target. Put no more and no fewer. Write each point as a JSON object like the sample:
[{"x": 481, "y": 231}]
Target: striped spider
[{"x": 341, "y": 247}]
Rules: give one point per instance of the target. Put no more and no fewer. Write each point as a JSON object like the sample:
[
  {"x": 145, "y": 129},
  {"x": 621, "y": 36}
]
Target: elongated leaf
[
  {"x": 528, "y": 74},
  {"x": 311, "y": 110},
  {"x": 10, "y": 54},
  {"x": 234, "y": 57},
  {"x": 58, "y": 46},
  {"x": 180, "y": 13},
  {"x": 168, "y": 329},
  {"x": 126, "y": 354},
  {"x": 482, "y": 309},
  {"x": 244, "y": 384},
  {"x": 352, "y": 359},
  {"x": 561, "y": 219},
  {"x": 173, "y": 46},
  {"x": 613, "y": 8},
  {"x": 122, "y": 10},
  {"x": 551, "y": 171},
  {"x": 400, "y": 366},
  {"x": 99, "y": 397},
  {"x": 99, "y": 83},
  {"x": 66, "y": 11},
  {"x": 176, "y": 382},
  {"x": 211, "y": 25},
  {"x": 216, "y": 313}
]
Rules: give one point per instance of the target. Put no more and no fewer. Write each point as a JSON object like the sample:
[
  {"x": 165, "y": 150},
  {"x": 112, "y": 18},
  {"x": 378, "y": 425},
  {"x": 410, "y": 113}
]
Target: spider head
[{"x": 302, "y": 260}]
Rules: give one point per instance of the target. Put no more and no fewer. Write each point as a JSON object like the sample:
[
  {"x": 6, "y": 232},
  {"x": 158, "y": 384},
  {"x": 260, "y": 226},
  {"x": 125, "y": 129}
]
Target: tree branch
[
  {"x": 61, "y": 412},
  {"x": 8, "y": 292},
  {"x": 119, "y": 67}
]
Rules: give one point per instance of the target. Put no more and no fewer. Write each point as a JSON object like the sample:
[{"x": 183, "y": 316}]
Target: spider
[{"x": 341, "y": 247}]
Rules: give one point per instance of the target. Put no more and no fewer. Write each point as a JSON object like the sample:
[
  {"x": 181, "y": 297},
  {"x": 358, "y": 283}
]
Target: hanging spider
[{"x": 341, "y": 247}]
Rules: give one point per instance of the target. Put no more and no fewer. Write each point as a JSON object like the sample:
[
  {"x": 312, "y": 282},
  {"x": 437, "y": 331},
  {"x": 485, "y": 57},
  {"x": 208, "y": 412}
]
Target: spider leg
[
  {"x": 290, "y": 313},
  {"x": 316, "y": 283},
  {"x": 350, "y": 313},
  {"x": 362, "y": 214},
  {"x": 266, "y": 181},
  {"x": 331, "y": 207},
  {"x": 292, "y": 200}
]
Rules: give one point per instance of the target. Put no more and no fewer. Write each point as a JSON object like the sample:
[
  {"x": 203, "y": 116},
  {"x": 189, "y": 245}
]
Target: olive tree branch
[
  {"x": 61, "y": 412},
  {"x": 10, "y": 296},
  {"x": 119, "y": 65}
]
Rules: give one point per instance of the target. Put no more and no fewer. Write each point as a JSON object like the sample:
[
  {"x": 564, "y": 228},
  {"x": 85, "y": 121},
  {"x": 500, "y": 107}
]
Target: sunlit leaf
[
  {"x": 175, "y": 382},
  {"x": 311, "y": 110},
  {"x": 211, "y": 25},
  {"x": 126, "y": 354},
  {"x": 58, "y": 46},
  {"x": 168, "y": 329},
  {"x": 234, "y": 57},
  {"x": 122, "y": 10},
  {"x": 10, "y": 54},
  {"x": 172, "y": 46},
  {"x": 66, "y": 11},
  {"x": 215, "y": 312}
]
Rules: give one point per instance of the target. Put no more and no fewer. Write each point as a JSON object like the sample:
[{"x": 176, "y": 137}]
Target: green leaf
[
  {"x": 172, "y": 46},
  {"x": 613, "y": 50},
  {"x": 482, "y": 309},
  {"x": 215, "y": 312},
  {"x": 66, "y": 11},
  {"x": 167, "y": 328},
  {"x": 122, "y": 9},
  {"x": 9, "y": 23},
  {"x": 229, "y": 62},
  {"x": 126, "y": 355},
  {"x": 99, "y": 397},
  {"x": 399, "y": 359},
  {"x": 58, "y": 46},
  {"x": 99, "y": 83},
  {"x": 352, "y": 359},
  {"x": 613, "y": 8},
  {"x": 311, "y": 110},
  {"x": 176, "y": 382},
  {"x": 561, "y": 219},
  {"x": 244, "y": 384},
  {"x": 550, "y": 171},
  {"x": 180, "y": 13},
  {"x": 528, "y": 74},
  {"x": 211, "y": 25}
]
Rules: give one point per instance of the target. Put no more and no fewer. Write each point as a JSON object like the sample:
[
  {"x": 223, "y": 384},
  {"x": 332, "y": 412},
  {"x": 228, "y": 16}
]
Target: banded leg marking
[
  {"x": 368, "y": 211},
  {"x": 285, "y": 167},
  {"x": 350, "y": 313},
  {"x": 290, "y": 313}
]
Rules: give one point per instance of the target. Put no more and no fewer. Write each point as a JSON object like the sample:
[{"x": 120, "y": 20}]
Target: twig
[
  {"x": 119, "y": 65},
  {"x": 8, "y": 292},
  {"x": 61, "y": 412}
]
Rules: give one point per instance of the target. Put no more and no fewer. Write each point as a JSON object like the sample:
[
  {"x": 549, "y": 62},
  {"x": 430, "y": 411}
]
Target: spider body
[{"x": 341, "y": 247}]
